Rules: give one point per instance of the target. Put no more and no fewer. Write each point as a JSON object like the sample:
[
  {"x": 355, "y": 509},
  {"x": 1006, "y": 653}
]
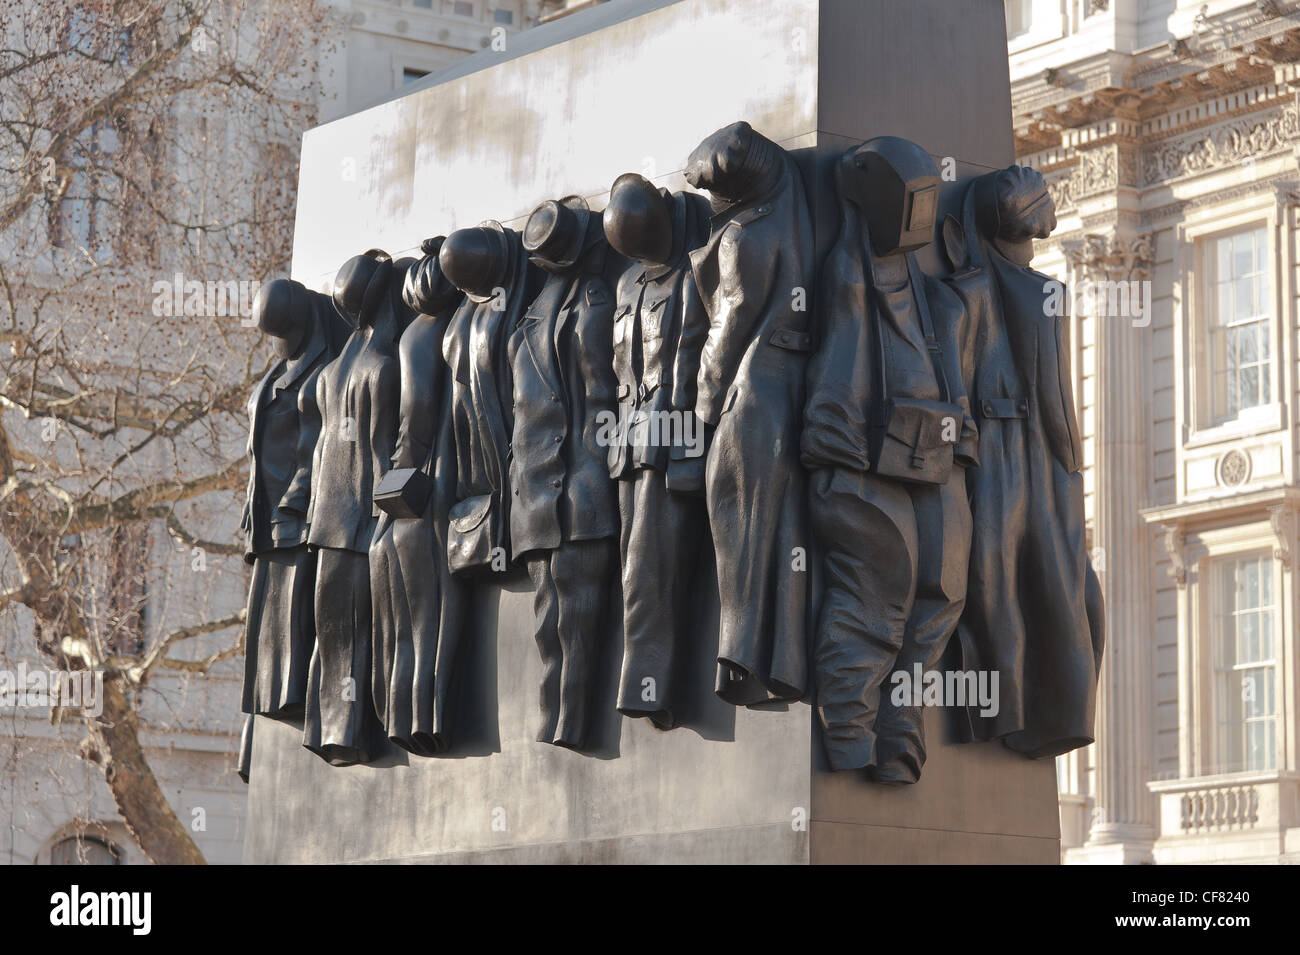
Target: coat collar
[{"x": 295, "y": 368}]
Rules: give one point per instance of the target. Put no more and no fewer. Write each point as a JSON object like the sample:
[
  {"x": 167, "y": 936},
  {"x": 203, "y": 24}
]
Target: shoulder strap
[{"x": 927, "y": 324}]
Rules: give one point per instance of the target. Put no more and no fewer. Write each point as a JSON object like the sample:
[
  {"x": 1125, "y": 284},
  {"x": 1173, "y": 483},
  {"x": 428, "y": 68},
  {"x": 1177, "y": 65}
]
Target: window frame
[
  {"x": 1199, "y": 748},
  {"x": 1220, "y": 761},
  {"x": 1200, "y": 426},
  {"x": 1210, "y": 325}
]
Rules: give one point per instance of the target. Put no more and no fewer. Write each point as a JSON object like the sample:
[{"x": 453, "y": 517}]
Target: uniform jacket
[
  {"x": 475, "y": 348},
  {"x": 758, "y": 256},
  {"x": 357, "y": 396},
  {"x": 282, "y": 440},
  {"x": 659, "y": 330},
  {"x": 561, "y": 355},
  {"x": 859, "y": 324}
]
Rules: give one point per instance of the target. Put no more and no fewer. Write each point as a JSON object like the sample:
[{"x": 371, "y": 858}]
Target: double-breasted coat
[
  {"x": 755, "y": 277},
  {"x": 561, "y": 355},
  {"x": 1033, "y": 609}
]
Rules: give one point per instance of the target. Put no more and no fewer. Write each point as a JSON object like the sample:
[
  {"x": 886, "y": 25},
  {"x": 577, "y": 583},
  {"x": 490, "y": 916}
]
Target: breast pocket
[{"x": 652, "y": 318}]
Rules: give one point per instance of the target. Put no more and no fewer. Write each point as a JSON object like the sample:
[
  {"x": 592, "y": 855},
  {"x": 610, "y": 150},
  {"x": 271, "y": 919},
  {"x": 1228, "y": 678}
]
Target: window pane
[
  {"x": 1243, "y": 296},
  {"x": 1239, "y": 295},
  {"x": 1242, "y": 630}
]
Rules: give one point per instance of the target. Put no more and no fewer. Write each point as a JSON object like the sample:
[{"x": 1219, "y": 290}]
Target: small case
[{"x": 403, "y": 493}]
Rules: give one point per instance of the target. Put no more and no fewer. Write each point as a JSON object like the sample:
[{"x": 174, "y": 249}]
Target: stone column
[{"x": 1124, "y": 815}]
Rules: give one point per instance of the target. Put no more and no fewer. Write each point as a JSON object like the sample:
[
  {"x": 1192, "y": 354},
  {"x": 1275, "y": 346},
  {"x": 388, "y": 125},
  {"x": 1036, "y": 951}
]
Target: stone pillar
[{"x": 1124, "y": 815}]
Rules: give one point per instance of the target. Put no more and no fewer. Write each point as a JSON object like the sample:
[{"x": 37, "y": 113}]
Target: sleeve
[
  {"x": 745, "y": 279},
  {"x": 1056, "y": 394},
  {"x": 297, "y": 495},
  {"x": 596, "y": 350},
  {"x": 694, "y": 332},
  {"x": 841, "y": 381},
  {"x": 311, "y": 417},
  {"x": 385, "y": 400},
  {"x": 417, "y": 422}
]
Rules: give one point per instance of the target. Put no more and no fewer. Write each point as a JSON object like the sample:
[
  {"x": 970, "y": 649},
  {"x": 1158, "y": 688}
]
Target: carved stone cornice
[
  {"x": 1286, "y": 189},
  {"x": 1242, "y": 140}
]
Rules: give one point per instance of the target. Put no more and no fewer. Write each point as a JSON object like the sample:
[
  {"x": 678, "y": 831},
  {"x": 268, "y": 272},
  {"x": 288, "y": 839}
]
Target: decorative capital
[{"x": 1108, "y": 256}]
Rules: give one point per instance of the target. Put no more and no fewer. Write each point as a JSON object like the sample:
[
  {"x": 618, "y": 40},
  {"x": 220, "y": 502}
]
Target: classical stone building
[{"x": 1168, "y": 134}]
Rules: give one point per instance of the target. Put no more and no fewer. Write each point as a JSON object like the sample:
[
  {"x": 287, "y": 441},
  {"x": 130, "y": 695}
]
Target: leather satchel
[
  {"x": 909, "y": 446},
  {"x": 472, "y": 533},
  {"x": 912, "y": 439}
]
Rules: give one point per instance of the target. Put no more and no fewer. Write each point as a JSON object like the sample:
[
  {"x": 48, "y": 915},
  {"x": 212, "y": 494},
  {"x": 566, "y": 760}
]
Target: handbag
[
  {"x": 907, "y": 439},
  {"x": 472, "y": 533},
  {"x": 403, "y": 493}
]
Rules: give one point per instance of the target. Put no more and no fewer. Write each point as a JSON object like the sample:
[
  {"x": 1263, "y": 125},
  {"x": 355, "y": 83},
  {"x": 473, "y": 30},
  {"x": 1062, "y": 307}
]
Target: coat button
[
  {"x": 555, "y": 397},
  {"x": 988, "y": 407},
  {"x": 559, "y": 438},
  {"x": 555, "y": 484}
]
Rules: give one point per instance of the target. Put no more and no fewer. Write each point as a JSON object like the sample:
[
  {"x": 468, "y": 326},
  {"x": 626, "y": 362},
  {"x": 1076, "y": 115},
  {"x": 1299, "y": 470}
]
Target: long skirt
[
  {"x": 420, "y": 611},
  {"x": 339, "y": 722},
  {"x": 279, "y": 632}
]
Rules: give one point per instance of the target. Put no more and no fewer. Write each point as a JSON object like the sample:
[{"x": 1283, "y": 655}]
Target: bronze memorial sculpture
[
  {"x": 419, "y": 609},
  {"x": 1033, "y": 611},
  {"x": 279, "y": 631},
  {"x": 489, "y": 265},
  {"x": 656, "y": 446},
  {"x": 888, "y": 433},
  {"x": 357, "y": 396},
  {"x": 882, "y": 455},
  {"x": 563, "y": 512},
  {"x": 755, "y": 277}
]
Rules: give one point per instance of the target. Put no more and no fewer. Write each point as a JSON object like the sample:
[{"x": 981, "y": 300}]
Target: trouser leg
[
  {"x": 943, "y": 521},
  {"x": 546, "y": 609},
  {"x": 867, "y": 532},
  {"x": 580, "y": 571},
  {"x": 661, "y": 537}
]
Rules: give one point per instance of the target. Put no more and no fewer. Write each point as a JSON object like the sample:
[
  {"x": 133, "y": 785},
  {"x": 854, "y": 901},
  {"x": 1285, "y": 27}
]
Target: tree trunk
[{"x": 140, "y": 800}]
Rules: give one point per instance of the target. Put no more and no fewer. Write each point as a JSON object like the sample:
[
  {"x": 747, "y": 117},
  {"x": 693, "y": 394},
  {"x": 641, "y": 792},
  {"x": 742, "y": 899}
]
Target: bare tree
[{"x": 148, "y": 185}]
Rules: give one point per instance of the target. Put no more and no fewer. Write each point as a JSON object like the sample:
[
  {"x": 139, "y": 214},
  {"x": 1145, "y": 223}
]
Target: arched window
[{"x": 85, "y": 850}]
